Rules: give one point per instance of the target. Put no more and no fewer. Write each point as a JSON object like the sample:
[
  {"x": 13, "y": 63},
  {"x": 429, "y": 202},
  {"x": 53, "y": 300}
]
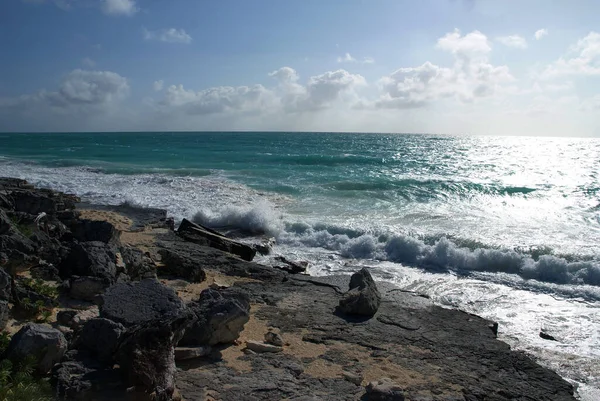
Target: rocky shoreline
[{"x": 113, "y": 303}]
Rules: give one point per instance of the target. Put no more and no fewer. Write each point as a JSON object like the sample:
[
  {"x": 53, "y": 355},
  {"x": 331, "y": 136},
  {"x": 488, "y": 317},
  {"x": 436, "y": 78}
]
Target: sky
[{"x": 483, "y": 67}]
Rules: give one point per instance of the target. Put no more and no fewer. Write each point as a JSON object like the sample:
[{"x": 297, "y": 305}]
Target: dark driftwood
[{"x": 205, "y": 236}]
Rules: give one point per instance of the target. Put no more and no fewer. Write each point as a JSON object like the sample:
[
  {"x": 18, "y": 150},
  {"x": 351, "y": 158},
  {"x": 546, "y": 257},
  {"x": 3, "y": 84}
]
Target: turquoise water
[{"x": 505, "y": 227}]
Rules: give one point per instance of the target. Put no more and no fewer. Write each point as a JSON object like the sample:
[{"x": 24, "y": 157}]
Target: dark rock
[
  {"x": 4, "y": 314},
  {"x": 91, "y": 230},
  {"x": 45, "y": 344},
  {"x": 86, "y": 380},
  {"x": 5, "y": 285},
  {"x": 138, "y": 265},
  {"x": 182, "y": 266},
  {"x": 220, "y": 316},
  {"x": 363, "y": 298},
  {"x": 384, "y": 390},
  {"x": 547, "y": 336},
  {"x": 494, "y": 327},
  {"x": 290, "y": 266},
  {"x": 87, "y": 288},
  {"x": 147, "y": 356},
  {"x": 23, "y": 291},
  {"x": 13, "y": 243},
  {"x": 95, "y": 259},
  {"x": 45, "y": 271},
  {"x": 65, "y": 317},
  {"x": 135, "y": 303},
  {"x": 33, "y": 202},
  {"x": 205, "y": 236},
  {"x": 100, "y": 337},
  {"x": 273, "y": 338}
]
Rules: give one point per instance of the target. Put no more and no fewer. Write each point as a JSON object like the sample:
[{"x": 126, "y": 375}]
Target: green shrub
[{"x": 18, "y": 383}]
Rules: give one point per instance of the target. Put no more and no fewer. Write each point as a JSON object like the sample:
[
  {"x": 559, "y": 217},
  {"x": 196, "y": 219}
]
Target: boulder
[
  {"x": 260, "y": 347},
  {"x": 273, "y": 338},
  {"x": 363, "y": 298},
  {"x": 384, "y": 390},
  {"x": 138, "y": 265},
  {"x": 4, "y": 314},
  {"x": 100, "y": 338},
  {"x": 219, "y": 317},
  {"x": 95, "y": 259},
  {"x": 87, "y": 288},
  {"x": 182, "y": 266},
  {"x": 138, "y": 302},
  {"x": 147, "y": 356},
  {"x": 45, "y": 344},
  {"x": 91, "y": 230},
  {"x": 205, "y": 236}
]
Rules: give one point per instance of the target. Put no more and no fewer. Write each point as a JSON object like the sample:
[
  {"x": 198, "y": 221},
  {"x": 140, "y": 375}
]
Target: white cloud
[
  {"x": 540, "y": 33},
  {"x": 347, "y": 58},
  {"x": 470, "y": 78},
  {"x": 584, "y": 59},
  {"x": 119, "y": 7},
  {"x": 515, "y": 41},
  {"x": 158, "y": 85},
  {"x": 88, "y": 62},
  {"x": 170, "y": 35}
]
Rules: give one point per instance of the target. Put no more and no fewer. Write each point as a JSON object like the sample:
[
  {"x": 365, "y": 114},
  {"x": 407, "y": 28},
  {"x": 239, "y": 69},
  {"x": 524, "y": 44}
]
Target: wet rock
[
  {"x": 260, "y": 347},
  {"x": 291, "y": 266},
  {"x": 147, "y": 356},
  {"x": 384, "y": 390},
  {"x": 91, "y": 230},
  {"x": 185, "y": 353},
  {"x": 135, "y": 303},
  {"x": 4, "y": 314},
  {"x": 182, "y": 266},
  {"x": 45, "y": 344},
  {"x": 220, "y": 316},
  {"x": 138, "y": 265},
  {"x": 87, "y": 288},
  {"x": 205, "y": 236},
  {"x": 363, "y": 298},
  {"x": 547, "y": 336},
  {"x": 100, "y": 337},
  {"x": 94, "y": 259},
  {"x": 273, "y": 338}
]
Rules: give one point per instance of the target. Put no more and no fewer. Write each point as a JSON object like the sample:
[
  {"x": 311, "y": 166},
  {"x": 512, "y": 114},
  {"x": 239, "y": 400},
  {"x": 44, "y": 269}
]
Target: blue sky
[{"x": 443, "y": 66}]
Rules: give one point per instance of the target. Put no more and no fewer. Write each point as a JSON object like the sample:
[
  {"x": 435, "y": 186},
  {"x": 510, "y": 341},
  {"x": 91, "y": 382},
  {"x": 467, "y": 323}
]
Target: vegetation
[
  {"x": 18, "y": 383},
  {"x": 25, "y": 229},
  {"x": 40, "y": 287}
]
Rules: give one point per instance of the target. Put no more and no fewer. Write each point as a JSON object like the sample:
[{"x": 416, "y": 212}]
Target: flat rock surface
[{"x": 432, "y": 352}]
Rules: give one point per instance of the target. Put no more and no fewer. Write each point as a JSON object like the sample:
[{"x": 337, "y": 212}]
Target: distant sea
[{"x": 504, "y": 227}]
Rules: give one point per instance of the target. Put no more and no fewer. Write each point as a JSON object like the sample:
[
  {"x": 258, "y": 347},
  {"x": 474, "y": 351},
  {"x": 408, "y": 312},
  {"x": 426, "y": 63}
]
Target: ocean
[{"x": 504, "y": 227}]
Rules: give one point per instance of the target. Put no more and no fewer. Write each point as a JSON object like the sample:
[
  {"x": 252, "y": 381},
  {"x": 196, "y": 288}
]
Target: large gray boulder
[
  {"x": 100, "y": 338},
  {"x": 45, "y": 344},
  {"x": 146, "y": 356},
  {"x": 95, "y": 259},
  {"x": 219, "y": 317},
  {"x": 139, "y": 302},
  {"x": 182, "y": 266},
  {"x": 363, "y": 298},
  {"x": 85, "y": 230}
]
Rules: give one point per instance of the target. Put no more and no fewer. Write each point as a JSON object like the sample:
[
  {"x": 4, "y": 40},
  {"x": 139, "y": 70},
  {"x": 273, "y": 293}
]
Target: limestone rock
[
  {"x": 384, "y": 390},
  {"x": 260, "y": 347},
  {"x": 273, "y": 338},
  {"x": 100, "y": 337},
  {"x": 363, "y": 298},
  {"x": 45, "y": 344},
  {"x": 87, "y": 288},
  {"x": 220, "y": 316},
  {"x": 95, "y": 259},
  {"x": 182, "y": 266},
  {"x": 135, "y": 303},
  {"x": 184, "y": 353},
  {"x": 90, "y": 230}
]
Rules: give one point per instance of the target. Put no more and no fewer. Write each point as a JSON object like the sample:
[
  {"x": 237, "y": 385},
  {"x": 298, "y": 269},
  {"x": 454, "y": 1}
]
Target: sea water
[{"x": 504, "y": 227}]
